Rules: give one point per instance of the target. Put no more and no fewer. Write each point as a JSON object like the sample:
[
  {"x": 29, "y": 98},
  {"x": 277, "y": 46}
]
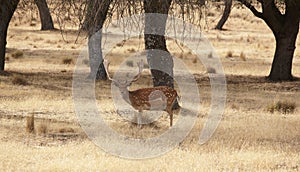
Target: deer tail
[{"x": 179, "y": 101}]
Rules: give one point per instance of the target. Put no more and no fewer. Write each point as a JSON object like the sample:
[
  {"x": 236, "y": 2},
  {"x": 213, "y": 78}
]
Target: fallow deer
[{"x": 154, "y": 98}]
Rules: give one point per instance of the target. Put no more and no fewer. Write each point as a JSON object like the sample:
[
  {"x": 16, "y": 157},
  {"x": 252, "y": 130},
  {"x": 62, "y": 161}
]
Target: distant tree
[
  {"x": 45, "y": 16},
  {"x": 7, "y": 9},
  {"x": 283, "y": 20},
  {"x": 226, "y": 13}
]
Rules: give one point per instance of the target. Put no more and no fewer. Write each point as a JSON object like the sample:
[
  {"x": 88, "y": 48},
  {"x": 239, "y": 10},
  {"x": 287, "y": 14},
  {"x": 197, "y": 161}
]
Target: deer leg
[
  {"x": 139, "y": 118},
  {"x": 171, "y": 116},
  {"x": 171, "y": 119}
]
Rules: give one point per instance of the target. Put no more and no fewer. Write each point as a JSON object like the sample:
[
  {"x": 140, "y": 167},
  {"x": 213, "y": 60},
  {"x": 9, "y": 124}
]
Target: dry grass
[
  {"x": 229, "y": 54},
  {"x": 284, "y": 107},
  {"x": 211, "y": 70},
  {"x": 243, "y": 56},
  {"x": 129, "y": 63},
  {"x": 67, "y": 60},
  {"x": 18, "y": 80},
  {"x": 131, "y": 50},
  {"x": 195, "y": 60},
  {"x": 66, "y": 130},
  {"x": 43, "y": 127},
  {"x": 17, "y": 54},
  {"x": 30, "y": 124},
  {"x": 247, "y": 139}
]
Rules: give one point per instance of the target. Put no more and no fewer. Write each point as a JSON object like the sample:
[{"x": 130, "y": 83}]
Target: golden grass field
[{"x": 249, "y": 138}]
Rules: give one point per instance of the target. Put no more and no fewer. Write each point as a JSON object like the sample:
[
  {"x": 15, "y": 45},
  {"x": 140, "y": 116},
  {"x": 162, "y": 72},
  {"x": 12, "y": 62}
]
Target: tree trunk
[
  {"x": 159, "y": 59},
  {"x": 283, "y": 59},
  {"x": 285, "y": 28},
  {"x": 7, "y": 9},
  {"x": 100, "y": 10},
  {"x": 87, "y": 17},
  {"x": 226, "y": 13},
  {"x": 45, "y": 16}
]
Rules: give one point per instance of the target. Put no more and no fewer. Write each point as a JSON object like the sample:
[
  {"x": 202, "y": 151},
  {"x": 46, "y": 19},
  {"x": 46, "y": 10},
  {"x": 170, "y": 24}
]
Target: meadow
[{"x": 253, "y": 135}]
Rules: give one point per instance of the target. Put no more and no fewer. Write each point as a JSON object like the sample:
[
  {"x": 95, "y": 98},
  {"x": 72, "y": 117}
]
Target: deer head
[{"x": 123, "y": 85}]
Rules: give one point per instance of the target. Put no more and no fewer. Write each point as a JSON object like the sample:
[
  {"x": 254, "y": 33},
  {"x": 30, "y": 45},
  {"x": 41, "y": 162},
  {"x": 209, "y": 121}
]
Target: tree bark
[
  {"x": 7, "y": 9},
  {"x": 226, "y": 13},
  {"x": 100, "y": 10},
  {"x": 283, "y": 59},
  {"x": 45, "y": 16},
  {"x": 158, "y": 55}
]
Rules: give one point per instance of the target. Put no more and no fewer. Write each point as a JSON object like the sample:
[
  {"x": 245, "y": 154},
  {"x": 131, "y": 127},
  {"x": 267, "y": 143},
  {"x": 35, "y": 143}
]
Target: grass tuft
[
  {"x": 129, "y": 63},
  {"x": 86, "y": 62},
  {"x": 18, "y": 80},
  {"x": 243, "y": 56},
  {"x": 229, "y": 54},
  {"x": 30, "y": 124},
  {"x": 67, "y": 60},
  {"x": 43, "y": 127},
  {"x": 66, "y": 130},
  {"x": 211, "y": 70},
  {"x": 210, "y": 55},
  {"x": 17, "y": 54},
  {"x": 195, "y": 60},
  {"x": 131, "y": 50},
  {"x": 282, "y": 107}
]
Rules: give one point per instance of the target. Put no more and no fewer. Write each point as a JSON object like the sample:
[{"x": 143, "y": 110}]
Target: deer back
[{"x": 156, "y": 98}]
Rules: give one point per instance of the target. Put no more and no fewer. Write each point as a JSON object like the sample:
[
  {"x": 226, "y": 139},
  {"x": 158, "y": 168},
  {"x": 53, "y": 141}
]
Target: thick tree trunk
[
  {"x": 100, "y": 10},
  {"x": 284, "y": 53},
  {"x": 285, "y": 28},
  {"x": 158, "y": 55},
  {"x": 226, "y": 13},
  {"x": 7, "y": 9},
  {"x": 46, "y": 19}
]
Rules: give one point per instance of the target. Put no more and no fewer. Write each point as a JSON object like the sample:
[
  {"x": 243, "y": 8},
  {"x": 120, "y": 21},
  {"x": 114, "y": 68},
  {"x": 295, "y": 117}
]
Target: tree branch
[{"x": 252, "y": 8}]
